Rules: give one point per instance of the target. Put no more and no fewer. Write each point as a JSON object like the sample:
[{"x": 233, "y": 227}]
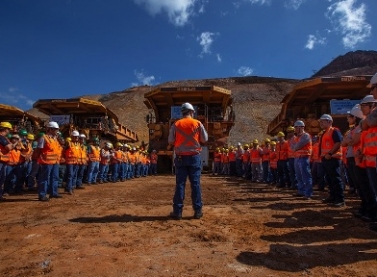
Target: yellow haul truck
[
  {"x": 212, "y": 107},
  {"x": 87, "y": 116},
  {"x": 20, "y": 119},
  {"x": 312, "y": 98}
]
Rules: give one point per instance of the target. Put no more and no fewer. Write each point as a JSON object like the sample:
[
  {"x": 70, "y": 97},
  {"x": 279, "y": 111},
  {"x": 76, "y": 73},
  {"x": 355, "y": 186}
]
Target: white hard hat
[
  {"x": 326, "y": 117},
  {"x": 373, "y": 81},
  {"x": 75, "y": 133},
  {"x": 187, "y": 107},
  {"x": 53, "y": 124},
  {"x": 239, "y": 144},
  {"x": 299, "y": 123},
  {"x": 82, "y": 136},
  {"x": 356, "y": 111},
  {"x": 368, "y": 99},
  {"x": 109, "y": 144}
]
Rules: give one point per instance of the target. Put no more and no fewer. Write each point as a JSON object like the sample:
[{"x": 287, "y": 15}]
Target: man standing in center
[{"x": 186, "y": 135}]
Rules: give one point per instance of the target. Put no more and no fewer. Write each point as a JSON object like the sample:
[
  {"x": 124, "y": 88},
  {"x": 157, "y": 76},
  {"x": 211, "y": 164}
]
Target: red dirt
[{"x": 122, "y": 229}]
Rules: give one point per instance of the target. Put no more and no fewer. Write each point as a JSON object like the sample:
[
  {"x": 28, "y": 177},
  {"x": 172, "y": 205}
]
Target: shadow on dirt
[
  {"x": 123, "y": 218},
  {"x": 292, "y": 258}
]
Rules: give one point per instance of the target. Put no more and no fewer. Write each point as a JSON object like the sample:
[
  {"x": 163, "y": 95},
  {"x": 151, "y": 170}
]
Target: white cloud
[
  {"x": 294, "y": 4},
  {"x": 350, "y": 21},
  {"x": 178, "y": 11},
  {"x": 313, "y": 40},
  {"x": 205, "y": 40},
  {"x": 245, "y": 71},
  {"x": 219, "y": 59},
  {"x": 142, "y": 79},
  {"x": 261, "y": 2},
  {"x": 16, "y": 99}
]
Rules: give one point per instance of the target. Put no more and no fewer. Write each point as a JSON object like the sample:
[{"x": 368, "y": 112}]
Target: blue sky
[{"x": 68, "y": 48}]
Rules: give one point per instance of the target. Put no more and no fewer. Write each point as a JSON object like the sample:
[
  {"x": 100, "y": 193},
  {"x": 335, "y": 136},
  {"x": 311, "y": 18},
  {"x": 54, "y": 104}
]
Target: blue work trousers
[
  {"x": 115, "y": 171},
  {"x": 266, "y": 171},
  {"x": 334, "y": 178},
  {"x": 33, "y": 174},
  {"x": 283, "y": 173},
  {"x": 103, "y": 170},
  {"x": 12, "y": 181},
  {"x": 292, "y": 172},
  {"x": 48, "y": 180},
  {"x": 318, "y": 175},
  {"x": 93, "y": 169},
  {"x": 304, "y": 176},
  {"x": 187, "y": 166},
  {"x": 72, "y": 170},
  {"x": 153, "y": 169},
  {"x": 80, "y": 175}
]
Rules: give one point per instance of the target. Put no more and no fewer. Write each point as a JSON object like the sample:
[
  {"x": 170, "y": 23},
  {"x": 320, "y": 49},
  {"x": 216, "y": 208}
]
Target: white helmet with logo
[
  {"x": 326, "y": 117},
  {"x": 368, "y": 99},
  {"x": 53, "y": 124},
  {"x": 82, "y": 136},
  {"x": 356, "y": 111},
  {"x": 75, "y": 133},
  {"x": 187, "y": 107}
]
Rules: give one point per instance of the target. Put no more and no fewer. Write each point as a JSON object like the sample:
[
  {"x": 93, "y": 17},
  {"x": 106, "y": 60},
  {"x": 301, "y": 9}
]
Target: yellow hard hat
[
  {"x": 5, "y": 124},
  {"x": 273, "y": 143},
  {"x": 267, "y": 140},
  {"x": 290, "y": 129},
  {"x": 118, "y": 144},
  {"x": 68, "y": 139},
  {"x": 246, "y": 145},
  {"x": 30, "y": 136},
  {"x": 255, "y": 141},
  {"x": 280, "y": 135}
]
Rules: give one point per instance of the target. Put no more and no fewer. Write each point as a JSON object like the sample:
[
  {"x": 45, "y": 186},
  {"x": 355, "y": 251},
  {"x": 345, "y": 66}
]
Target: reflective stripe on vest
[
  {"x": 50, "y": 153},
  {"x": 282, "y": 150},
  {"x": 327, "y": 144},
  {"x": 187, "y": 137},
  {"x": 266, "y": 154},
  {"x": 72, "y": 153},
  {"x": 370, "y": 146},
  {"x": 4, "y": 154},
  {"x": 305, "y": 151},
  {"x": 232, "y": 156},
  {"x": 94, "y": 154},
  {"x": 14, "y": 157},
  {"x": 255, "y": 156}
]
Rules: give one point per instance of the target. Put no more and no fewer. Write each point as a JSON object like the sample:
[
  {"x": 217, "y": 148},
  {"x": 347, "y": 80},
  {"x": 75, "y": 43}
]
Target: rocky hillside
[
  {"x": 256, "y": 100},
  {"x": 353, "y": 63}
]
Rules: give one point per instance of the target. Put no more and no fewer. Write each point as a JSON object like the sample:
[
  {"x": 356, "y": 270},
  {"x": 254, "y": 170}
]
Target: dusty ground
[{"x": 121, "y": 229}]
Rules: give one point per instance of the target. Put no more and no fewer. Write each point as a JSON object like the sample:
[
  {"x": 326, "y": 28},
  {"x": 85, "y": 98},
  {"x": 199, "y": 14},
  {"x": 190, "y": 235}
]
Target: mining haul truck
[
  {"x": 20, "y": 119},
  {"x": 312, "y": 98},
  {"x": 88, "y": 116},
  {"x": 212, "y": 107}
]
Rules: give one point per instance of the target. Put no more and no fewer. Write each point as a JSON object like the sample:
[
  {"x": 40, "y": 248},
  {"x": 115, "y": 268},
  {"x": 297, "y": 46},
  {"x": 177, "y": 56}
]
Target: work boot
[
  {"x": 175, "y": 216},
  {"x": 198, "y": 214}
]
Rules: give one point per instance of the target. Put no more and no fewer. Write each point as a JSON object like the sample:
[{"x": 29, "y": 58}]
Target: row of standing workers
[
  {"x": 297, "y": 160},
  {"x": 50, "y": 161}
]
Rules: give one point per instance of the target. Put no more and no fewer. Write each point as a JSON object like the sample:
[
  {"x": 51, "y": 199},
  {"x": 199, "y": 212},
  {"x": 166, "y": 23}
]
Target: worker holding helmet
[
  {"x": 5, "y": 147},
  {"x": 49, "y": 152},
  {"x": 186, "y": 135},
  {"x": 301, "y": 145},
  {"x": 331, "y": 155}
]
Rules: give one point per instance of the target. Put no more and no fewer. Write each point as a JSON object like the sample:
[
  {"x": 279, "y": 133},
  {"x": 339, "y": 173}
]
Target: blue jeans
[
  {"x": 72, "y": 176},
  {"x": 3, "y": 174},
  {"x": 187, "y": 166},
  {"x": 33, "y": 174},
  {"x": 304, "y": 176},
  {"x": 318, "y": 175},
  {"x": 334, "y": 179},
  {"x": 292, "y": 174},
  {"x": 80, "y": 175},
  {"x": 93, "y": 169},
  {"x": 283, "y": 173},
  {"x": 115, "y": 172},
  {"x": 48, "y": 180},
  {"x": 12, "y": 183},
  {"x": 103, "y": 170},
  {"x": 266, "y": 171},
  {"x": 372, "y": 177},
  {"x": 153, "y": 169},
  {"x": 239, "y": 167}
]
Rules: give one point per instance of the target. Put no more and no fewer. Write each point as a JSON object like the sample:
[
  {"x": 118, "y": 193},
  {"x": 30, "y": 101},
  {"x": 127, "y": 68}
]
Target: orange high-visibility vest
[
  {"x": 51, "y": 151},
  {"x": 273, "y": 157},
  {"x": 117, "y": 157},
  {"x": 282, "y": 150},
  {"x": 291, "y": 153},
  {"x": 14, "y": 157},
  {"x": 217, "y": 156},
  {"x": 246, "y": 156},
  {"x": 72, "y": 153},
  {"x": 358, "y": 148},
  {"x": 327, "y": 144},
  {"x": 225, "y": 159},
  {"x": 305, "y": 151},
  {"x": 265, "y": 153},
  {"x": 187, "y": 136},
  {"x": 255, "y": 155},
  {"x": 232, "y": 156},
  {"x": 83, "y": 156},
  {"x": 94, "y": 155},
  {"x": 370, "y": 147}
]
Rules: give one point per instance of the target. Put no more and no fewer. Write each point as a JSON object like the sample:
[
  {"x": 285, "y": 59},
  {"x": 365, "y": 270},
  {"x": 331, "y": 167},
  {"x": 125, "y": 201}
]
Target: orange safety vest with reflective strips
[
  {"x": 273, "y": 157},
  {"x": 232, "y": 156},
  {"x": 187, "y": 132},
  {"x": 305, "y": 151},
  {"x": 370, "y": 147},
  {"x": 83, "y": 156},
  {"x": 51, "y": 151},
  {"x": 154, "y": 158},
  {"x": 4, "y": 153},
  {"x": 132, "y": 158},
  {"x": 282, "y": 150},
  {"x": 315, "y": 153},
  {"x": 94, "y": 155},
  {"x": 246, "y": 156},
  {"x": 216, "y": 156},
  {"x": 255, "y": 155},
  {"x": 125, "y": 157},
  {"x": 327, "y": 144},
  {"x": 359, "y": 148},
  {"x": 265, "y": 153},
  {"x": 225, "y": 159},
  {"x": 26, "y": 155},
  {"x": 72, "y": 154},
  {"x": 117, "y": 157},
  {"x": 14, "y": 157},
  {"x": 291, "y": 153}
]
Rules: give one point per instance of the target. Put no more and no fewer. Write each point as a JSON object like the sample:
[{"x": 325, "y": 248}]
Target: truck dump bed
[{"x": 20, "y": 119}]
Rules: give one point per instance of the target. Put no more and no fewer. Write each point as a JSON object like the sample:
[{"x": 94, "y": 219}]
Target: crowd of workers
[
  {"x": 49, "y": 161},
  {"x": 299, "y": 161}
]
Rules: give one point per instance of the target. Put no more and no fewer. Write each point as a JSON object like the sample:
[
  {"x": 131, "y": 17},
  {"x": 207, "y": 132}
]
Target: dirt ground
[{"x": 122, "y": 229}]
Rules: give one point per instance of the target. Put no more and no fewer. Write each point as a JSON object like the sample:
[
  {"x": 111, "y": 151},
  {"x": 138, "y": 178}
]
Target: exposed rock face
[
  {"x": 353, "y": 63},
  {"x": 256, "y": 100}
]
